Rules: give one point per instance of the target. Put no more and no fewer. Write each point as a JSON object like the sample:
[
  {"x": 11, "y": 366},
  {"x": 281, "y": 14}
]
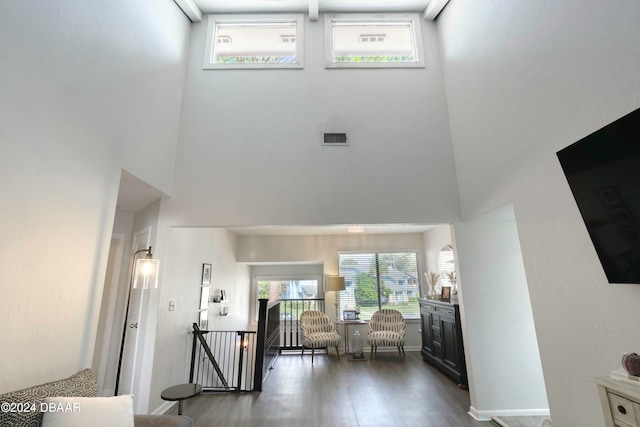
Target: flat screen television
[{"x": 603, "y": 171}]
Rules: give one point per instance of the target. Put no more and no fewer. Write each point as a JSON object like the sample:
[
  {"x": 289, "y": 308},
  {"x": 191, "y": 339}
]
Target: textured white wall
[
  {"x": 250, "y": 145},
  {"x": 525, "y": 79},
  {"x": 86, "y": 89}
]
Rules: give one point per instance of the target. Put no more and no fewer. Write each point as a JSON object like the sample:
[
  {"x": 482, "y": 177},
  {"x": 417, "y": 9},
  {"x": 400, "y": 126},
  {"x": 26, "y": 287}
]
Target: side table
[
  {"x": 181, "y": 392},
  {"x": 346, "y": 324}
]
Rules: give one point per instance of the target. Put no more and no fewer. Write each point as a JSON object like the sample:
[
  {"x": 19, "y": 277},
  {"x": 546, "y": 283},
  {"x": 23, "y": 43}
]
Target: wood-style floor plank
[{"x": 332, "y": 393}]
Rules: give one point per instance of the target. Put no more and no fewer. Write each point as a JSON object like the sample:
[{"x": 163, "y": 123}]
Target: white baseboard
[
  {"x": 487, "y": 415},
  {"x": 164, "y": 408}
]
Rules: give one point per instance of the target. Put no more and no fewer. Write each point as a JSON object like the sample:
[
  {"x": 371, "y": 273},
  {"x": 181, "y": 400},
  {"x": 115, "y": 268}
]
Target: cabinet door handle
[{"x": 622, "y": 409}]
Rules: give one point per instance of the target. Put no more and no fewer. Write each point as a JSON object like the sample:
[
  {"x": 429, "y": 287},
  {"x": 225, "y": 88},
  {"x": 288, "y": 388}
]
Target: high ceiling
[
  {"x": 195, "y": 8},
  {"x": 135, "y": 194}
]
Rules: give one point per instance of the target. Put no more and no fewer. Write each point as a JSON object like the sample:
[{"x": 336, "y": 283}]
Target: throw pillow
[
  {"x": 114, "y": 411},
  {"x": 28, "y": 400}
]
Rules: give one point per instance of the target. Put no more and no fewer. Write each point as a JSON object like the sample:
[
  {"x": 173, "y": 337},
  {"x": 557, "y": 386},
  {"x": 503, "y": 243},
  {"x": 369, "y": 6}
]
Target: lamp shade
[
  {"x": 335, "y": 283},
  {"x": 146, "y": 273}
]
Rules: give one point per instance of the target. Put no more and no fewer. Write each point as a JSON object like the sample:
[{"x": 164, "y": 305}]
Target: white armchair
[
  {"x": 318, "y": 332},
  {"x": 387, "y": 328}
]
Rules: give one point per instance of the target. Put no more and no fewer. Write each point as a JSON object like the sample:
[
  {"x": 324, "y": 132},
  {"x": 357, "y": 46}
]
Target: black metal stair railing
[
  {"x": 237, "y": 360},
  {"x": 223, "y": 360},
  {"x": 240, "y": 360},
  {"x": 290, "y": 310}
]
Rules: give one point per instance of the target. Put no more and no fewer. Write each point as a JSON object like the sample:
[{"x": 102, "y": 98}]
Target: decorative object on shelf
[
  {"x": 349, "y": 315},
  {"x": 357, "y": 311},
  {"x": 451, "y": 277},
  {"x": 631, "y": 363},
  {"x": 432, "y": 281},
  {"x": 358, "y": 352},
  {"x": 220, "y": 296},
  {"x": 206, "y": 274},
  {"x": 445, "y": 294},
  {"x": 447, "y": 268}
]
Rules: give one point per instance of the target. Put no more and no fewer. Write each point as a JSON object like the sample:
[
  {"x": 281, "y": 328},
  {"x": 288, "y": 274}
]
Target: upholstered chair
[
  {"x": 387, "y": 328},
  {"x": 318, "y": 332}
]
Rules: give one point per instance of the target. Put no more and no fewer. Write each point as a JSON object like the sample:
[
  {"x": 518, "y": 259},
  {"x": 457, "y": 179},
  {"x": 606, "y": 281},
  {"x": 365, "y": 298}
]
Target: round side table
[{"x": 181, "y": 392}]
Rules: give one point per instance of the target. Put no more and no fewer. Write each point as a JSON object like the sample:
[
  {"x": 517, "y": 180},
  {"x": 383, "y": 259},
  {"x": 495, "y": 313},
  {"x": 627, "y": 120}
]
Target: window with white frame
[
  {"x": 373, "y": 41},
  {"x": 254, "y": 41},
  {"x": 376, "y": 280}
]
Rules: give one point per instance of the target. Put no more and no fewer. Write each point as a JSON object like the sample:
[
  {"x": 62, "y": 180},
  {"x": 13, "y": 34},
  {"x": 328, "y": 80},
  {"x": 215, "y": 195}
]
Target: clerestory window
[
  {"x": 254, "y": 41},
  {"x": 373, "y": 41}
]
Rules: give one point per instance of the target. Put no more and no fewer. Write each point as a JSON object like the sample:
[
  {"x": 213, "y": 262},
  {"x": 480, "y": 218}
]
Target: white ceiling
[{"x": 195, "y": 8}]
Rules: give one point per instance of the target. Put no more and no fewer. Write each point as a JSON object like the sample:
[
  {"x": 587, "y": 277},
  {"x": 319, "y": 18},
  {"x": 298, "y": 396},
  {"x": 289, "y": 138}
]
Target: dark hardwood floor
[{"x": 332, "y": 393}]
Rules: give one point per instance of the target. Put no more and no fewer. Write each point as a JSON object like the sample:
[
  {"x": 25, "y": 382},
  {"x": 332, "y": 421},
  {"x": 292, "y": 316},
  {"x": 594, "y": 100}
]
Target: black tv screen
[{"x": 603, "y": 171}]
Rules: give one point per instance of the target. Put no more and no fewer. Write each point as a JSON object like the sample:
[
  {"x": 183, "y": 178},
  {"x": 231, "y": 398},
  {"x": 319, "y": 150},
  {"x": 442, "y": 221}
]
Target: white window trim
[
  {"x": 235, "y": 19},
  {"x": 414, "y": 18}
]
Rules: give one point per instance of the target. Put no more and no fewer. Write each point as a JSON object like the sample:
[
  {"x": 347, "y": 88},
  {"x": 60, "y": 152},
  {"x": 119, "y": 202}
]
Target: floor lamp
[
  {"x": 144, "y": 274},
  {"x": 335, "y": 284}
]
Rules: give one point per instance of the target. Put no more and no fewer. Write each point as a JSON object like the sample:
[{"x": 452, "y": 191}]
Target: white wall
[
  {"x": 525, "y": 79},
  {"x": 250, "y": 144},
  {"x": 86, "y": 89},
  {"x": 505, "y": 374},
  {"x": 186, "y": 250}
]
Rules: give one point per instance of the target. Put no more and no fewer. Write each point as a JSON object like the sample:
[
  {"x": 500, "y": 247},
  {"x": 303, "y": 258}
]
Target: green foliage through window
[{"x": 380, "y": 280}]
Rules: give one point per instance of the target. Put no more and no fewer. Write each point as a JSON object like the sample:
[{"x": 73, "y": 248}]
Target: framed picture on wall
[{"x": 206, "y": 274}]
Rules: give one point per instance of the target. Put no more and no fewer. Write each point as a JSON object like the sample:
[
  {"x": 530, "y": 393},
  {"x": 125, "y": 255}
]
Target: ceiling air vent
[{"x": 335, "y": 139}]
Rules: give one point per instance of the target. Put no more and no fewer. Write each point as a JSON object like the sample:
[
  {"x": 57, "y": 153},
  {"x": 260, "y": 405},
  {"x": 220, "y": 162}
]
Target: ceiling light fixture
[{"x": 355, "y": 228}]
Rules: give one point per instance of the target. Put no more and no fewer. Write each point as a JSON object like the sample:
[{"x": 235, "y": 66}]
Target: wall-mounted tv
[{"x": 603, "y": 171}]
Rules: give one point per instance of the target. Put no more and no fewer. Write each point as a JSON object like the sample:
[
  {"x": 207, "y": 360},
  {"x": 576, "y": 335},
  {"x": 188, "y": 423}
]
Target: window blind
[{"x": 376, "y": 280}]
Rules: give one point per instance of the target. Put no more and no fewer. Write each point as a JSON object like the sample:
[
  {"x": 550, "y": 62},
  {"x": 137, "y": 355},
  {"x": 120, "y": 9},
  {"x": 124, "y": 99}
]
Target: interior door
[{"x": 132, "y": 344}]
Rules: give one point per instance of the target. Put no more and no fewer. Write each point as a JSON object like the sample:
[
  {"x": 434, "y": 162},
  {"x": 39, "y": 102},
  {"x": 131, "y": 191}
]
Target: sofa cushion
[
  {"x": 114, "y": 411},
  {"x": 24, "y": 405}
]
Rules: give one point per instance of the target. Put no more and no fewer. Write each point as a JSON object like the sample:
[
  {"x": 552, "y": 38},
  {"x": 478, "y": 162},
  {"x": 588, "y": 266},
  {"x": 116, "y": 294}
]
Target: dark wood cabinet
[{"x": 442, "y": 338}]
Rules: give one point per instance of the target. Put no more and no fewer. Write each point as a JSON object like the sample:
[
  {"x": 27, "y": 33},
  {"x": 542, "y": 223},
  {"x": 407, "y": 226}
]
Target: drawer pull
[{"x": 622, "y": 409}]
